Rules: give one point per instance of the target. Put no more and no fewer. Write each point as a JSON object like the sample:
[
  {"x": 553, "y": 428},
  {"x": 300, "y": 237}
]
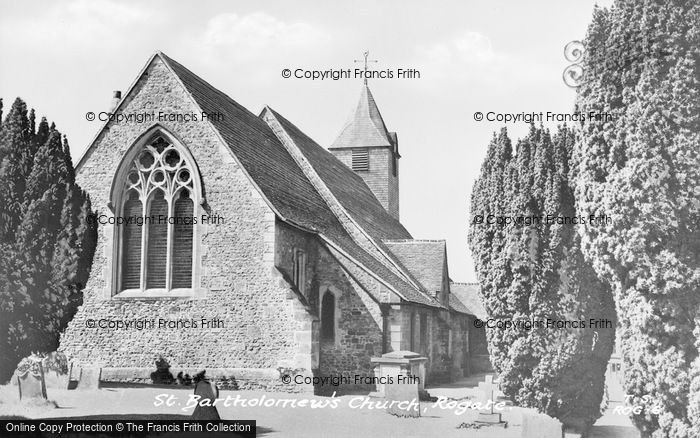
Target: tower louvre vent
[{"x": 360, "y": 160}]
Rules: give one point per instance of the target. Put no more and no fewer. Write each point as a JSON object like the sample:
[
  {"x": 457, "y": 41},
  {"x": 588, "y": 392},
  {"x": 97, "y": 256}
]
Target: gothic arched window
[
  {"x": 157, "y": 212},
  {"x": 328, "y": 317}
]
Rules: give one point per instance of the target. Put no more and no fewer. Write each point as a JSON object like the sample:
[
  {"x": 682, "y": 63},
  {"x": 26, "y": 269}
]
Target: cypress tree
[
  {"x": 41, "y": 136},
  {"x": 32, "y": 122},
  {"x": 14, "y": 144},
  {"x": 642, "y": 167},
  {"x": 489, "y": 197},
  {"x": 14, "y": 140},
  {"x": 47, "y": 244},
  {"x": 542, "y": 276}
]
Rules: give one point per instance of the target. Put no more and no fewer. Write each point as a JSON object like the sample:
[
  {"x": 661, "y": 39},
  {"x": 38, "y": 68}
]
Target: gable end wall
[{"x": 239, "y": 284}]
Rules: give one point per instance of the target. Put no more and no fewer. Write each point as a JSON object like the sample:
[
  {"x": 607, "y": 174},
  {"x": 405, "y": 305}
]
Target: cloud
[
  {"x": 249, "y": 35},
  {"x": 468, "y": 48},
  {"x": 471, "y": 56},
  {"x": 75, "y": 24}
]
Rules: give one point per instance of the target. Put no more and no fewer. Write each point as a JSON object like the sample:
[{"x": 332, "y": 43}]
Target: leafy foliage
[{"x": 45, "y": 238}]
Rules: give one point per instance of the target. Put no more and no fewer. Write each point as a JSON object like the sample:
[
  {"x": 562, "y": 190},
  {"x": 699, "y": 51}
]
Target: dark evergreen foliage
[
  {"x": 642, "y": 66},
  {"x": 46, "y": 242},
  {"x": 534, "y": 271}
]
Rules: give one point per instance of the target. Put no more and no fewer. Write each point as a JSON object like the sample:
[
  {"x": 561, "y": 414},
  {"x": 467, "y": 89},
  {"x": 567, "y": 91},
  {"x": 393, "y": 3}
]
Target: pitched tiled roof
[
  {"x": 260, "y": 153},
  {"x": 347, "y": 186},
  {"x": 468, "y": 295},
  {"x": 458, "y": 306},
  {"x": 366, "y": 126},
  {"x": 425, "y": 259},
  {"x": 353, "y": 195},
  {"x": 284, "y": 184}
]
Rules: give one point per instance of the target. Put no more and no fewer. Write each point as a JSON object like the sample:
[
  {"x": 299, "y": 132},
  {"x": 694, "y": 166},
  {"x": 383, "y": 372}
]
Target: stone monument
[
  {"x": 399, "y": 363},
  {"x": 486, "y": 398}
]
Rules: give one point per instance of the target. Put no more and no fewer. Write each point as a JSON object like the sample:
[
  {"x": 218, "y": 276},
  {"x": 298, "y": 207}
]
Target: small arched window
[
  {"x": 157, "y": 211},
  {"x": 328, "y": 317}
]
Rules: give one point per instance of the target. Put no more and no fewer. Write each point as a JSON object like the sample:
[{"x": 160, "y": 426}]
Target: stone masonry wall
[
  {"x": 459, "y": 324},
  {"x": 263, "y": 320},
  {"x": 359, "y": 335},
  {"x": 289, "y": 239},
  {"x": 440, "y": 369},
  {"x": 358, "y": 325}
]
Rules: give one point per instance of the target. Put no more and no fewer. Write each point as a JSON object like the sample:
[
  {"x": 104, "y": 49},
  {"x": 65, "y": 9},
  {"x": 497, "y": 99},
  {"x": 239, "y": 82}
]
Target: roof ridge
[
  {"x": 170, "y": 60},
  {"x": 414, "y": 240},
  {"x": 88, "y": 149},
  {"x": 372, "y": 104}
]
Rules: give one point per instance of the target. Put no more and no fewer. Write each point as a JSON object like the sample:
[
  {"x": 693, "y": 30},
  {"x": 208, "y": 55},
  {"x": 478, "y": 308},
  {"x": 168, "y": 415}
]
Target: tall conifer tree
[
  {"x": 46, "y": 241},
  {"x": 642, "y": 67},
  {"x": 533, "y": 270}
]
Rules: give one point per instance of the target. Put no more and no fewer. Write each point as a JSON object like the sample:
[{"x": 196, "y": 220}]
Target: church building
[{"x": 233, "y": 242}]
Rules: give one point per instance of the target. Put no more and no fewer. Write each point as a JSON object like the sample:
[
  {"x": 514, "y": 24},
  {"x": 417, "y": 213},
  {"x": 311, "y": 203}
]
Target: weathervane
[{"x": 366, "y": 54}]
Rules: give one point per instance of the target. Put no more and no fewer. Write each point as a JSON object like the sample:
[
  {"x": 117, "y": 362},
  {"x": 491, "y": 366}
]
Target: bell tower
[{"x": 371, "y": 151}]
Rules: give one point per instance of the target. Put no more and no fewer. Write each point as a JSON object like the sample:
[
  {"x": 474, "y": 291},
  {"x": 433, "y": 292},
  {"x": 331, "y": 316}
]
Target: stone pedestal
[
  {"x": 402, "y": 400},
  {"x": 402, "y": 367}
]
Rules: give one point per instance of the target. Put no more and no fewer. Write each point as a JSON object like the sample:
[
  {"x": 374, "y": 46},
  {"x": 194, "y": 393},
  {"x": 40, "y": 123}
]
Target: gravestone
[
  {"x": 404, "y": 397},
  {"x": 55, "y": 367},
  {"x": 207, "y": 392},
  {"x": 30, "y": 380},
  {"x": 486, "y": 397},
  {"x": 536, "y": 425},
  {"x": 89, "y": 378}
]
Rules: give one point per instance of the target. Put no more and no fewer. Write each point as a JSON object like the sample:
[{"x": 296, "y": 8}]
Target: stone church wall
[
  {"x": 459, "y": 324},
  {"x": 359, "y": 331},
  {"x": 358, "y": 325},
  {"x": 264, "y": 324},
  {"x": 441, "y": 359}
]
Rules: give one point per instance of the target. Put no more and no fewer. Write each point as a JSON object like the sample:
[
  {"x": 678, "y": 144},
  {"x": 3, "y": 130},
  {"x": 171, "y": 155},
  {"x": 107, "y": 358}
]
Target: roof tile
[
  {"x": 468, "y": 294},
  {"x": 425, "y": 259}
]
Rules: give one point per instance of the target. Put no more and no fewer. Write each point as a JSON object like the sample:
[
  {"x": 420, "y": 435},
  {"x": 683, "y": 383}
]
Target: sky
[{"x": 65, "y": 58}]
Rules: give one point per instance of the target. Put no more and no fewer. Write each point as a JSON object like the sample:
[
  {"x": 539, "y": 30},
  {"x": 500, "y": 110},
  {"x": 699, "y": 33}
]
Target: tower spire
[
  {"x": 368, "y": 148},
  {"x": 366, "y": 61}
]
